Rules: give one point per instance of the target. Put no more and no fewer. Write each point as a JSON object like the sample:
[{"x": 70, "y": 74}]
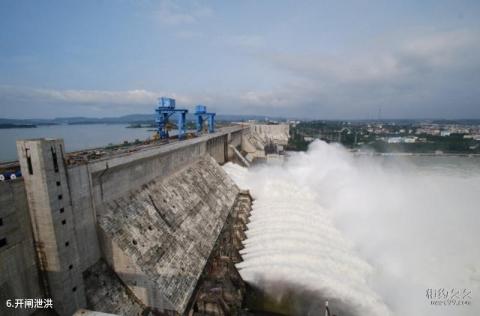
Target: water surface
[{"x": 76, "y": 137}]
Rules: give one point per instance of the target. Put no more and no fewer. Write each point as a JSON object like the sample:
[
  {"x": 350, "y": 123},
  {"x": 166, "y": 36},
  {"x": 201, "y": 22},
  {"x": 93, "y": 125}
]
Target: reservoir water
[{"x": 76, "y": 137}]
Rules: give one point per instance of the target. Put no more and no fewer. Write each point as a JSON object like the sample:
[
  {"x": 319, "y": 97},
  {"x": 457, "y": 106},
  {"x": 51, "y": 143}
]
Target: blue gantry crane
[
  {"x": 166, "y": 108},
  {"x": 201, "y": 114}
]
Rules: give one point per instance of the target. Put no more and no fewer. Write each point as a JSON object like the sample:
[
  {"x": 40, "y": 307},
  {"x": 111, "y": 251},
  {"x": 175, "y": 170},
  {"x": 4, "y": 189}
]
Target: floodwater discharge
[{"x": 372, "y": 235}]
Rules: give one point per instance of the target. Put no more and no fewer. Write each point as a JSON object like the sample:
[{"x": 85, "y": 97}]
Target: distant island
[
  {"x": 141, "y": 125},
  {"x": 7, "y": 125}
]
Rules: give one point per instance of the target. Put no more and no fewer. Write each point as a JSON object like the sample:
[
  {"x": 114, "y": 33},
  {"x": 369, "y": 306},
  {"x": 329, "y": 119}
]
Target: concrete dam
[{"x": 152, "y": 230}]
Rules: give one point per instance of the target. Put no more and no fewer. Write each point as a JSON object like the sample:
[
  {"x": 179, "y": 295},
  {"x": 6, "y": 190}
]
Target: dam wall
[
  {"x": 19, "y": 276},
  {"x": 128, "y": 231},
  {"x": 235, "y": 140},
  {"x": 152, "y": 215},
  {"x": 276, "y": 133},
  {"x": 262, "y": 139},
  {"x": 54, "y": 222},
  {"x": 158, "y": 238},
  {"x": 94, "y": 184}
]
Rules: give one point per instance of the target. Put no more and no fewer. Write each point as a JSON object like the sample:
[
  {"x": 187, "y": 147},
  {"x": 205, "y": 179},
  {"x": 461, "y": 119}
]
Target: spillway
[{"x": 370, "y": 235}]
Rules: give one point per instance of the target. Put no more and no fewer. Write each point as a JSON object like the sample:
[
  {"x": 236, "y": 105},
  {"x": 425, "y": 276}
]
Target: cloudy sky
[{"x": 315, "y": 59}]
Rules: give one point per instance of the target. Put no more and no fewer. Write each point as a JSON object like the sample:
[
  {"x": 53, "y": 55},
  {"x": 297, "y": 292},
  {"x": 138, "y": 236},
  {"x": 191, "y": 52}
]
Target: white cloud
[
  {"x": 424, "y": 75},
  {"x": 171, "y": 13},
  {"x": 382, "y": 62},
  {"x": 82, "y": 97},
  {"x": 111, "y": 102},
  {"x": 434, "y": 75}
]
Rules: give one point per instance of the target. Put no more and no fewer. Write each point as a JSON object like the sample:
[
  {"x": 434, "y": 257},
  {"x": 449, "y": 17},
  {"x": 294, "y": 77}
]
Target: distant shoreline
[
  {"x": 408, "y": 154},
  {"x": 10, "y": 126},
  {"x": 5, "y": 126}
]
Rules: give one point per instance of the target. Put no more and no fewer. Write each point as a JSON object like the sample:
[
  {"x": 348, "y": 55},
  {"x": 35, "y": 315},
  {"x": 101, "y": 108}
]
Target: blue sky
[{"x": 316, "y": 59}]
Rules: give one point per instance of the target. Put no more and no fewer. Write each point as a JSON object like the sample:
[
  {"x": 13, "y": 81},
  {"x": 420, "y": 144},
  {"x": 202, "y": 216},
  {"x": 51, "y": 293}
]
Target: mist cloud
[{"x": 369, "y": 234}]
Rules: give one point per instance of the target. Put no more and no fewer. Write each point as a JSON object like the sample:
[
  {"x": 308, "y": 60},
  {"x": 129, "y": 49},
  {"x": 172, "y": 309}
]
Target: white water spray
[{"x": 369, "y": 236}]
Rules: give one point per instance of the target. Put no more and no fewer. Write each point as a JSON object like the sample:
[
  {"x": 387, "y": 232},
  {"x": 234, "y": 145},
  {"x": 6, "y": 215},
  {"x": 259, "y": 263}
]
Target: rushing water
[
  {"x": 76, "y": 137},
  {"x": 373, "y": 235}
]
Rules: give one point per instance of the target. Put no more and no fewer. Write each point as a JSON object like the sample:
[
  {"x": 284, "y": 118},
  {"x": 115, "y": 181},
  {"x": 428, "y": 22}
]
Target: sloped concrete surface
[
  {"x": 159, "y": 237},
  {"x": 106, "y": 293}
]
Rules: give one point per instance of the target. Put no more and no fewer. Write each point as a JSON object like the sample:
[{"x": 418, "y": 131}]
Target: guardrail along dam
[{"x": 152, "y": 230}]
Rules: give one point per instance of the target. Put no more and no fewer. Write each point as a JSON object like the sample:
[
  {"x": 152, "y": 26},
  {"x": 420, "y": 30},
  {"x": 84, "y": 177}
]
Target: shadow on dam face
[{"x": 277, "y": 298}]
